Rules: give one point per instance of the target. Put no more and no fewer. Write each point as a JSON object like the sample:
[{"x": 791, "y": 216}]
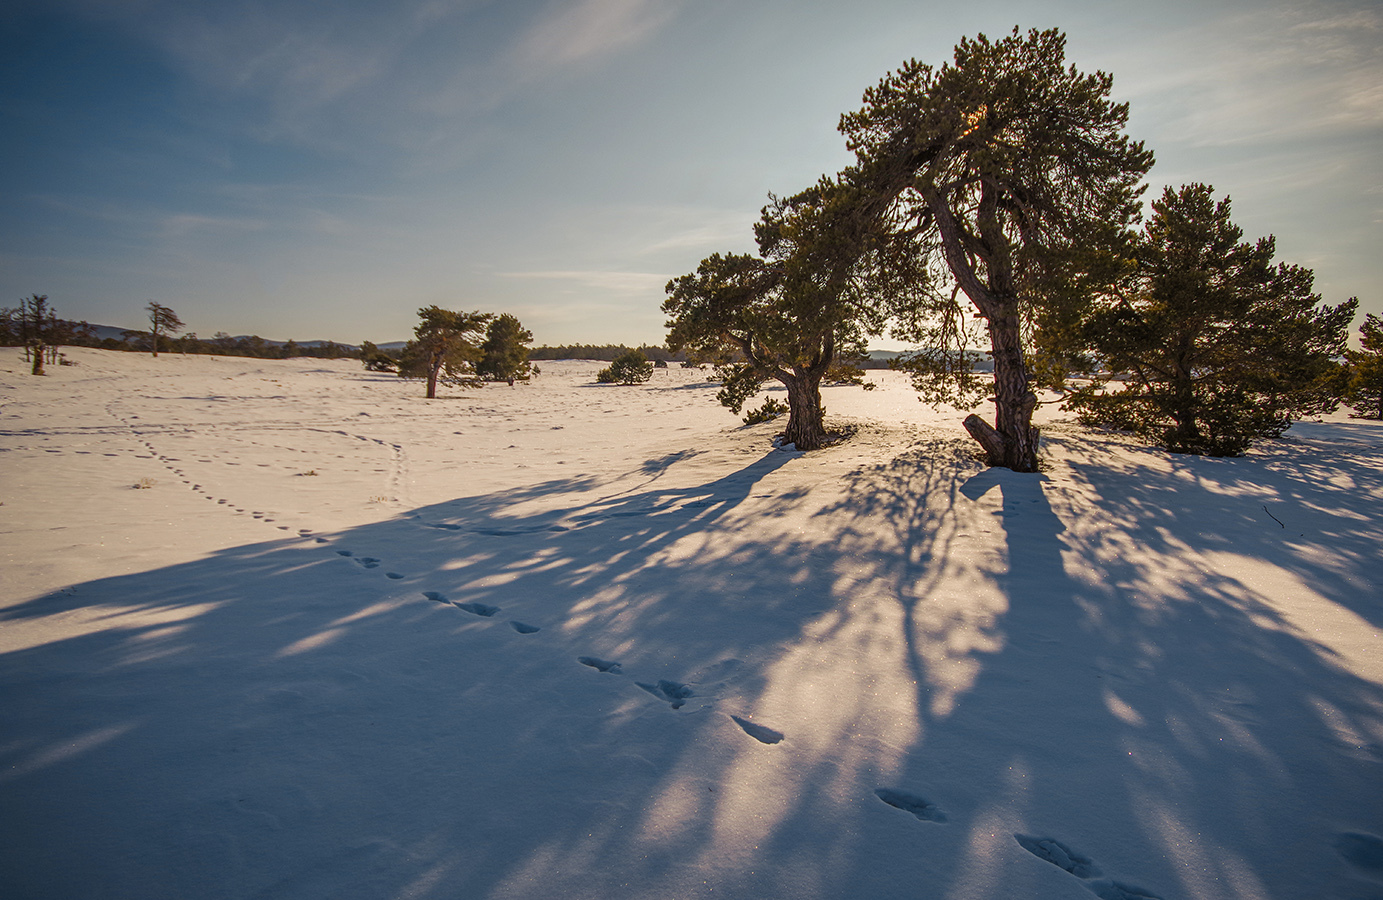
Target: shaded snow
[{"x": 285, "y": 629}]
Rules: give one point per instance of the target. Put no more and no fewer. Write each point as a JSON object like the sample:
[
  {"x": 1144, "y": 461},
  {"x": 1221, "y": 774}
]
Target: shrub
[{"x": 630, "y": 368}]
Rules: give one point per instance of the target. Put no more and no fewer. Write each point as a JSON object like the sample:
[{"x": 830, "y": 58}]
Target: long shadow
[
  {"x": 398, "y": 708},
  {"x": 1026, "y": 664},
  {"x": 1165, "y": 712}
]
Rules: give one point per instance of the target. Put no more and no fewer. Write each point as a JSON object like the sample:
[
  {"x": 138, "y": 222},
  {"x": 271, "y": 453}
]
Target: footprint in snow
[
  {"x": 344, "y": 553},
  {"x": 920, "y": 807},
  {"x": 601, "y": 665},
  {"x": 1083, "y": 867},
  {"x": 368, "y": 562},
  {"x": 480, "y": 609},
  {"x": 674, "y": 692},
  {"x": 523, "y": 628},
  {"x": 761, "y": 733},
  {"x": 436, "y": 597},
  {"x": 394, "y": 575},
  {"x": 1362, "y": 850}
]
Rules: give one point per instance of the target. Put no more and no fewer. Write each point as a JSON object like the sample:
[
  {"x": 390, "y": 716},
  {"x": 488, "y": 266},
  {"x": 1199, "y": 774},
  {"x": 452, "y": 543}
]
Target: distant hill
[{"x": 116, "y": 333}]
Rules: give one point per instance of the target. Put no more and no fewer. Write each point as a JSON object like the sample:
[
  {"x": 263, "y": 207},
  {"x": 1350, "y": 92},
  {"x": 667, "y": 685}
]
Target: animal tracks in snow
[
  {"x": 761, "y": 733},
  {"x": 674, "y": 692},
  {"x": 1364, "y": 851},
  {"x": 1064, "y": 857},
  {"x": 920, "y": 807},
  {"x": 601, "y": 665},
  {"x": 1059, "y": 855},
  {"x": 479, "y": 609}
]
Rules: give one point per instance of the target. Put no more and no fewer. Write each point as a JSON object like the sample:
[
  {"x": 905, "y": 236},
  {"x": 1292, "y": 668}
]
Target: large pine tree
[
  {"x": 1012, "y": 174},
  {"x": 1218, "y": 347}
]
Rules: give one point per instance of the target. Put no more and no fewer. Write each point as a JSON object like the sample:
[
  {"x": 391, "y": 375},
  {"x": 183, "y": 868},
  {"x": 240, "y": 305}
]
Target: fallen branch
[{"x": 1274, "y": 518}]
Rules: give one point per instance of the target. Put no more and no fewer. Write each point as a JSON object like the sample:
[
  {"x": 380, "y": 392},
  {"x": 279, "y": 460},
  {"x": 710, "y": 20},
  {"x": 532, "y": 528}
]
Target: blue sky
[{"x": 319, "y": 170}]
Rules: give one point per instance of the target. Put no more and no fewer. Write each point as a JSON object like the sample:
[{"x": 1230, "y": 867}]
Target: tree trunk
[
  {"x": 1014, "y": 400},
  {"x": 432, "y": 381},
  {"x": 806, "y": 416},
  {"x": 38, "y": 359}
]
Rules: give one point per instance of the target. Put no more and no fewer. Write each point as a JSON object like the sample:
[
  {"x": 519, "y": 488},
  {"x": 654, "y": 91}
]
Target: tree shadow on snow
[{"x": 580, "y": 690}]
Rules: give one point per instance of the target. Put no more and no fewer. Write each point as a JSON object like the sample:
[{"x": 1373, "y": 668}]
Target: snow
[{"x": 568, "y": 640}]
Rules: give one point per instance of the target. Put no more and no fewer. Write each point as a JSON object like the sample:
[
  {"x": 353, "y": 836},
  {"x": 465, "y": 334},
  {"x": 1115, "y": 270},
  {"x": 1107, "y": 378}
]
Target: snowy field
[{"x": 285, "y": 629}]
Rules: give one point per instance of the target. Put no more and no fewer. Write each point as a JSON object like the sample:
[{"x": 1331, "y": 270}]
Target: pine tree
[
  {"x": 504, "y": 355},
  {"x": 443, "y": 348},
  {"x": 790, "y": 312},
  {"x": 375, "y": 359},
  {"x": 1366, "y": 369},
  {"x": 630, "y": 368},
  {"x": 1219, "y": 346},
  {"x": 1011, "y": 173}
]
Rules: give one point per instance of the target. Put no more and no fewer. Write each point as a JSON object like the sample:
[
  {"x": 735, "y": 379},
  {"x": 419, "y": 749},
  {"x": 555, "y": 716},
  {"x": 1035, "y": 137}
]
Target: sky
[{"x": 321, "y": 170}]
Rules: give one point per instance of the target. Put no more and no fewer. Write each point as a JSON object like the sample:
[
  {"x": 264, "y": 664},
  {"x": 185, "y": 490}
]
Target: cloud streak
[{"x": 575, "y": 32}]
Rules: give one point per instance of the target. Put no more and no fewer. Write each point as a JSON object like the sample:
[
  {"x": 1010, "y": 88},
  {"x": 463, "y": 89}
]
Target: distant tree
[
  {"x": 1012, "y": 178},
  {"x": 375, "y": 359},
  {"x": 504, "y": 355},
  {"x": 37, "y": 327},
  {"x": 443, "y": 348},
  {"x": 1220, "y": 347},
  {"x": 162, "y": 321},
  {"x": 631, "y": 368},
  {"x": 1366, "y": 369}
]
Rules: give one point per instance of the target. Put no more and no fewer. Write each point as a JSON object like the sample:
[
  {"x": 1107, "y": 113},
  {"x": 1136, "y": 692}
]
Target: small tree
[
  {"x": 1219, "y": 346},
  {"x": 38, "y": 328},
  {"x": 375, "y": 359},
  {"x": 630, "y": 368},
  {"x": 443, "y": 348},
  {"x": 504, "y": 355},
  {"x": 789, "y": 313},
  {"x": 1366, "y": 369},
  {"x": 162, "y": 321}
]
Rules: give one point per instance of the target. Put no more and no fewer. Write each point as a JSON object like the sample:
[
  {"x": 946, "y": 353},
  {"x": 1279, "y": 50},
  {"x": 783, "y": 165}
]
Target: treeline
[
  {"x": 602, "y": 352},
  {"x": 33, "y": 321},
  {"x": 222, "y": 344}
]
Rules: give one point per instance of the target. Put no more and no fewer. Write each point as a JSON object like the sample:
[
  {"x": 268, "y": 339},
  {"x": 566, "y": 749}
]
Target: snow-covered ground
[{"x": 285, "y": 629}]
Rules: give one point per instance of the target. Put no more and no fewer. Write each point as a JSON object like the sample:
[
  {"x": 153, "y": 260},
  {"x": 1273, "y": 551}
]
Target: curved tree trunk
[{"x": 1011, "y": 442}]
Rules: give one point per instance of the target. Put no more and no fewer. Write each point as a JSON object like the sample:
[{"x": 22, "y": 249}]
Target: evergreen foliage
[
  {"x": 630, "y": 368},
  {"x": 377, "y": 360},
  {"x": 602, "y": 352},
  {"x": 788, "y": 313},
  {"x": 1365, "y": 389},
  {"x": 771, "y": 409},
  {"x": 1219, "y": 347},
  {"x": 1010, "y": 181},
  {"x": 504, "y": 354},
  {"x": 444, "y": 348}
]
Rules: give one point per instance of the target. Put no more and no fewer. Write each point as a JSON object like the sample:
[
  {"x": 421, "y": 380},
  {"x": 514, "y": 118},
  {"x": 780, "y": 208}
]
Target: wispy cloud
[
  {"x": 575, "y": 31},
  {"x": 1279, "y": 74}
]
